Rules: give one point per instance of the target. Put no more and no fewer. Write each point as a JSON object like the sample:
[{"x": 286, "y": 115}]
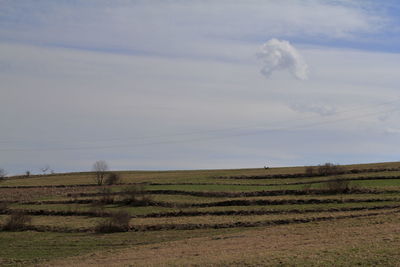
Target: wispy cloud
[
  {"x": 321, "y": 109},
  {"x": 100, "y": 74},
  {"x": 176, "y": 28}
]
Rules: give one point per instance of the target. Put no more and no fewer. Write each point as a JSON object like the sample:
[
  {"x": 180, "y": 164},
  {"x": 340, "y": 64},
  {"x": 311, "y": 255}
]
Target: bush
[
  {"x": 330, "y": 169},
  {"x": 338, "y": 186},
  {"x": 17, "y": 221},
  {"x": 112, "y": 178},
  {"x": 135, "y": 195},
  {"x": 118, "y": 222}
]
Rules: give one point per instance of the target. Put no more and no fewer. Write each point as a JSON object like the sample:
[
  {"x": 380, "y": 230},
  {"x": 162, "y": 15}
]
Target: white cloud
[{"x": 279, "y": 55}]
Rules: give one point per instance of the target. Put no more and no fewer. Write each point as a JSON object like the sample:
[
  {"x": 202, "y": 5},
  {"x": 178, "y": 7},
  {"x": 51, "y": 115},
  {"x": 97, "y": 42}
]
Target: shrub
[
  {"x": 112, "y": 178},
  {"x": 330, "y": 169},
  {"x": 118, "y": 222},
  {"x": 338, "y": 186},
  {"x": 136, "y": 196},
  {"x": 17, "y": 221}
]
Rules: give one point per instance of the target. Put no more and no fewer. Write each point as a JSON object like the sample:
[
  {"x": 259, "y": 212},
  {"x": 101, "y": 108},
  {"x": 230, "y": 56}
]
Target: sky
[{"x": 161, "y": 85}]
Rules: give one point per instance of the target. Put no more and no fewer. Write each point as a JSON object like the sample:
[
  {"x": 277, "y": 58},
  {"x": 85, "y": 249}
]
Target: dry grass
[
  {"x": 301, "y": 244},
  {"x": 173, "y": 176},
  {"x": 30, "y": 194},
  {"x": 210, "y": 219},
  {"x": 364, "y": 241}
]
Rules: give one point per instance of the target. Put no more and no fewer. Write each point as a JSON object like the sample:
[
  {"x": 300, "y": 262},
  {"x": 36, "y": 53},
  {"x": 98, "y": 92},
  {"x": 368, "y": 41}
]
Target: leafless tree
[
  {"x": 45, "y": 169},
  {"x": 2, "y": 174},
  {"x": 100, "y": 168}
]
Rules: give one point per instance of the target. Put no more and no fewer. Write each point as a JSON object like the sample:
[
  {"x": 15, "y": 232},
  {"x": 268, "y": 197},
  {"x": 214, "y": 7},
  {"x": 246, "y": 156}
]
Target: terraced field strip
[
  {"x": 215, "y": 211},
  {"x": 303, "y": 181},
  {"x": 251, "y": 223},
  {"x": 201, "y": 199},
  {"x": 304, "y": 174},
  {"x": 233, "y": 202},
  {"x": 231, "y": 219},
  {"x": 276, "y": 192},
  {"x": 70, "y": 224},
  {"x": 184, "y": 199}
]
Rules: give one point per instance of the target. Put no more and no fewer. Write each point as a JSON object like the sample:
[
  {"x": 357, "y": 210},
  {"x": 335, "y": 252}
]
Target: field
[{"x": 277, "y": 216}]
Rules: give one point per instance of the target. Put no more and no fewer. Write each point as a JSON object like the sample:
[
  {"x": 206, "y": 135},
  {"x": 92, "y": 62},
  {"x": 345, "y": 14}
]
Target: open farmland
[{"x": 276, "y": 216}]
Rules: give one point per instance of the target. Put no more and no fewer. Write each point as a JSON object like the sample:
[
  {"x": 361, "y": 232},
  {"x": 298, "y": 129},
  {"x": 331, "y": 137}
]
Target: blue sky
[{"x": 177, "y": 84}]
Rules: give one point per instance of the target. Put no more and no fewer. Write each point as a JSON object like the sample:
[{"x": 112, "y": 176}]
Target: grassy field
[{"x": 252, "y": 217}]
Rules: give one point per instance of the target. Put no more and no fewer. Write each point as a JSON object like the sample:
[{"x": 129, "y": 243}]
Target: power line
[
  {"x": 222, "y": 129},
  {"x": 290, "y": 128}
]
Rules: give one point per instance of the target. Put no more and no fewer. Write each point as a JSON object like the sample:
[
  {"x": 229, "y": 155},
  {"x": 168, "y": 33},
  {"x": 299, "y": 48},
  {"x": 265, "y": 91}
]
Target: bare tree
[
  {"x": 2, "y": 174},
  {"x": 45, "y": 169},
  {"x": 100, "y": 168}
]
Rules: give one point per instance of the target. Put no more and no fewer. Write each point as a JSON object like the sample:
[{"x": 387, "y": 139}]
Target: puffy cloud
[{"x": 281, "y": 55}]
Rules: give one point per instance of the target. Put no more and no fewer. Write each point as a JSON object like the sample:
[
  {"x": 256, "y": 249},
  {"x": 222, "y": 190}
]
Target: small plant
[
  {"x": 17, "y": 221},
  {"x": 118, "y": 222},
  {"x": 112, "y": 178}
]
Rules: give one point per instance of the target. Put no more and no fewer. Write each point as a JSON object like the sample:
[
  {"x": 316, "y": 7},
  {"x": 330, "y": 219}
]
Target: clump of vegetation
[
  {"x": 112, "y": 178},
  {"x": 330, "y": 169},
  {"x": 118, "y": 222},
  {"x": 136, "y": 196},
  {"x": 338, "y": 186},
  {"x": 17, "y": 221}
]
